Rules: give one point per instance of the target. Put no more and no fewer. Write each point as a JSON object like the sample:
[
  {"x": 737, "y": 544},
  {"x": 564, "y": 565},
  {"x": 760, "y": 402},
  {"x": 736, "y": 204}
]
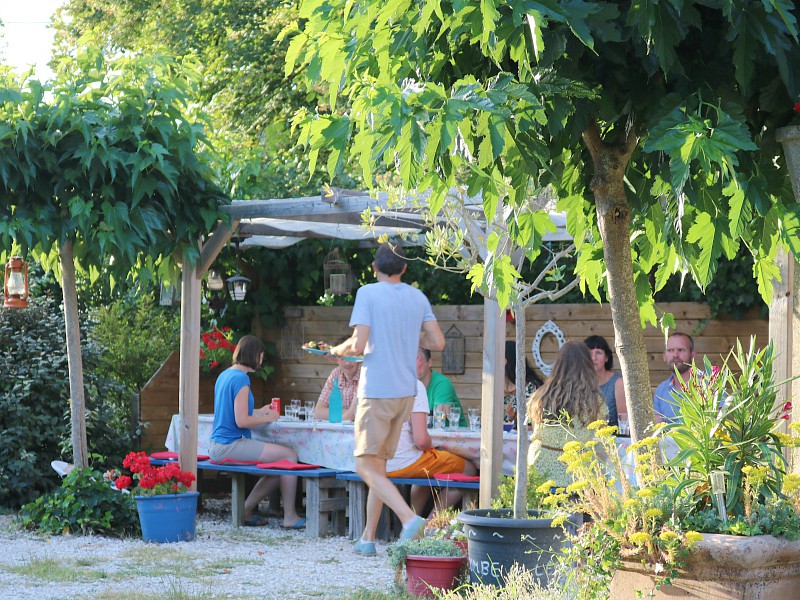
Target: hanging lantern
[
  {"x": 215, "y": 281},
  {"x": 170, "y": 294},
  {"x": 15, "y": 289},
  {"x": 338, "y": 277},
  {"x": 237, "y": 286},
  {"x": 454, "y": 351}
]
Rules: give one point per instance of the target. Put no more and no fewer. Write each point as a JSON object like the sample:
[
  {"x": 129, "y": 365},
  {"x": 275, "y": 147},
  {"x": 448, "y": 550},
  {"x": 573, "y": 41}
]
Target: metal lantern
[
  {"x": 338, "y": 276},
  {"x": 215, "y": 281},
  {"x": 237, "y": 286},
  {"x": 170, "y": 294},
  {"x": 15, "y": 288},
  {"x": 454, "y": 351}
]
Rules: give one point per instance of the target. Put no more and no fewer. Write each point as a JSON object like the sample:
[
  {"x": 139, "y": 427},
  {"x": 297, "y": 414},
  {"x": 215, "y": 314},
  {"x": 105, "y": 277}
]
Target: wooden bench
[
  {"x": 357, "y": 497},
  {"x": 326, "y": 496}
]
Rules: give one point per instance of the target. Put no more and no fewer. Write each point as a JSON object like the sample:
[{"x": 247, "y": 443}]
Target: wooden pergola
[{"x": 336, "y": 214}]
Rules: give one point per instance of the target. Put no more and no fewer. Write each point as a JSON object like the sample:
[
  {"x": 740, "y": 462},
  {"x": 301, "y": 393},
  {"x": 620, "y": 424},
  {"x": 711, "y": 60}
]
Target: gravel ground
[{"x": 222, "y": 562}]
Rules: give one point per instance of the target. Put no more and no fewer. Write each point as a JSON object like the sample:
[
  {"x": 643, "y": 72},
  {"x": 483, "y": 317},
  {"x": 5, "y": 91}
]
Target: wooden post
[
  {"x": 77, "y": 403},
  {"x": 494, "y": 339},
  {"x": 189, "y": 378}
]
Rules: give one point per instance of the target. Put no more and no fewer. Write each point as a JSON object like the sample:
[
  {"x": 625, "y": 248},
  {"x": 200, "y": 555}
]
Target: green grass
[
  {"x": 168, "y": 589},
  {"x": 56, "y": 570}
]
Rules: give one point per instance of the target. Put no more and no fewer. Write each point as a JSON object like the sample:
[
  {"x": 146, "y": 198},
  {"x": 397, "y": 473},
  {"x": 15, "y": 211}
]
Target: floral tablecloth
[{"x": 331, "y": 444}]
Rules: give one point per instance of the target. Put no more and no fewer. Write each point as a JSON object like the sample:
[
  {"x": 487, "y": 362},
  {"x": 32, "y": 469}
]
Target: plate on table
[{"x": 314, "y": 350}]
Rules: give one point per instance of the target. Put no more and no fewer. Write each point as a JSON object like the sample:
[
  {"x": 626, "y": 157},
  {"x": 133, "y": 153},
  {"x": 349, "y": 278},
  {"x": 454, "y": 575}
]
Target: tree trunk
[
  {"x": 521, "y": 480},
  {"x": 80, "y": 454},
  {"x": 614, "y": 222}
]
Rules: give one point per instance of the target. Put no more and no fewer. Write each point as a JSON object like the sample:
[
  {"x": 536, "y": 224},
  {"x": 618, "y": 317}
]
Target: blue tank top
[{"x": 228, "y": 384}]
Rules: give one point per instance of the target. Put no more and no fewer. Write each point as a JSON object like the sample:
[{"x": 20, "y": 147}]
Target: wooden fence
[{"x": 302, "y": 375}]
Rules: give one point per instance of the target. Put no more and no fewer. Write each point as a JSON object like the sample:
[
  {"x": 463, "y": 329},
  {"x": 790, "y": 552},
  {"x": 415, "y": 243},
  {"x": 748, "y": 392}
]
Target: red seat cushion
[
  {"x": 230, "y": 461},
  {"x": 457, "y": 477},
  {"x": 287, "y": 465}
]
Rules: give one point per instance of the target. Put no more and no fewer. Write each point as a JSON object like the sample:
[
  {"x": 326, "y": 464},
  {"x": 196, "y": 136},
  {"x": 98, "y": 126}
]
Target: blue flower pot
[{"x": 168, "y": 517}]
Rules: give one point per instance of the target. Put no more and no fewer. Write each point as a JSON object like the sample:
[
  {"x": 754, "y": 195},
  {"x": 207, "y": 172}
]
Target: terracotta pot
[
  {"x": 722, "y": 567},
  {"x": 426, "y": 572}
]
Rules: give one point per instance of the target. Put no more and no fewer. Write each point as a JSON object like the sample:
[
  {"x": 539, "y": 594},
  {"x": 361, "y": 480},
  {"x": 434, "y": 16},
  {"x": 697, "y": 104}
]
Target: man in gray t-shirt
[{"x": 391, "y": 320}]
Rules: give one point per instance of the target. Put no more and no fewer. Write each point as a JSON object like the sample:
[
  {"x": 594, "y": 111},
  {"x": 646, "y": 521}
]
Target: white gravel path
[{"x": 222, "y": 562}]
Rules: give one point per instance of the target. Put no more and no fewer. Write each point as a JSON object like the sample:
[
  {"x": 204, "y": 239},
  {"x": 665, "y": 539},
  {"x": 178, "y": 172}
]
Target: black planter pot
[{"x": 497, "y": 541}]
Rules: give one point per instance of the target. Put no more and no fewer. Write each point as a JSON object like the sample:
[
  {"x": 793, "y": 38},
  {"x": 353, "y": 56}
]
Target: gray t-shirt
[{"x": 394, "y": 313}]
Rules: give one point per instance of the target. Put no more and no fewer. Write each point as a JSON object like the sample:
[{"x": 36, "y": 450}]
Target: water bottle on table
[{"x": 335, "y": 403}]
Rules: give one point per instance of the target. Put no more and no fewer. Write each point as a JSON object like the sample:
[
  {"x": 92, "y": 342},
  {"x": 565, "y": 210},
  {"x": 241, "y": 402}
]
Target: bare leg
[
  {"x": 263, "y": 488},
  {"x": 288, "y": 483},
  {"x": 374, "y": 507},
  {"x": 373, "y": 471},
  {"x": 419, "y": 498}
]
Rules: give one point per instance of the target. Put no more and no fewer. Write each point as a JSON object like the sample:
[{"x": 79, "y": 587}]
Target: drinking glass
[
  {"x": 623, "y": 424},
  {"x": 438, "y": 416},
  {"x": 309, "y": 408},
  {"x": 295, "y": 403},
  {"x": 454, "y": 417},
  {"x": 474, "y": 421}
]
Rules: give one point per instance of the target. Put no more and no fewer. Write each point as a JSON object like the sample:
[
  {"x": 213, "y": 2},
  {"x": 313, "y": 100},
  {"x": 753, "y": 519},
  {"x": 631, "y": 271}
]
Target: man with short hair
[
  {"x": 679, "y": 354},
  {"x": 439, "y": 388},
  {"x": 390, "y": 321}
]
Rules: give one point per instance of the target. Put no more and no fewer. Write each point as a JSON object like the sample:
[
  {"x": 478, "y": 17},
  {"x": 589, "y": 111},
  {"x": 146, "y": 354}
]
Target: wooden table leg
[{"x": 238, "y": 492}]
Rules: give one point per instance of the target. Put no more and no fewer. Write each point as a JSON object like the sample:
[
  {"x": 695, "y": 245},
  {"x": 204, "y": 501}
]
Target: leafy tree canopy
[
  {"x": 106, "y": 155},
  {"x": 242, "y": 87},
  {"x": 498, "y": 94}
]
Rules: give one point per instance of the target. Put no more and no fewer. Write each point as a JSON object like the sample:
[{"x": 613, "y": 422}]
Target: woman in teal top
[{"x": 231, "y": 439}]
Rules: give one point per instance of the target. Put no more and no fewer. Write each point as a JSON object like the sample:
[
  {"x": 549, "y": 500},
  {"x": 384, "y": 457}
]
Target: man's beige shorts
[{"x": 378, "y": 425}]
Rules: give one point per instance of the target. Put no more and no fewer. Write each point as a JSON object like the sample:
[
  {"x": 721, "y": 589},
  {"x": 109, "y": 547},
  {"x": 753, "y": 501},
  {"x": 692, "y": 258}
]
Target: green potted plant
[
  {"x": 444, "y": 525},
  {"x": 167, "y": 508},
  {"x": 430, "y": 563},
  {"x": 679, "y": 532}
]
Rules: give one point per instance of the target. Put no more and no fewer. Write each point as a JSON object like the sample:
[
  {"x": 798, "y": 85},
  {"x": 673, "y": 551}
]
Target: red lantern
[{"x": 15, "y": 289}]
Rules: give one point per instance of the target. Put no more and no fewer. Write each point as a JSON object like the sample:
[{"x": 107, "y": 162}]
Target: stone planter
[
  {"x": 722, "y": 567},
  {"x": 790, "y": 138}
]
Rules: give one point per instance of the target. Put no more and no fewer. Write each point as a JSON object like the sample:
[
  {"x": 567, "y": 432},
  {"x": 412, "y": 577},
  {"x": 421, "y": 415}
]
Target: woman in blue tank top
[{"x": 231, "y": 439}]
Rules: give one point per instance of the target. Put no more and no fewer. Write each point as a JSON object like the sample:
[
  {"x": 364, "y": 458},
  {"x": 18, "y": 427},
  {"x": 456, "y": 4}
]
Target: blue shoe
[
  {"x": 365, "y": 548},
  {"x": 414, "y": 530}
]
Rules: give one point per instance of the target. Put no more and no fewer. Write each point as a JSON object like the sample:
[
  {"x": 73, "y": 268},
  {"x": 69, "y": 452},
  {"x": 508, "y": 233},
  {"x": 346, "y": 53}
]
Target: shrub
[
  {"x": 85, "y": 503},
  {"x": 34, "y": 402}
]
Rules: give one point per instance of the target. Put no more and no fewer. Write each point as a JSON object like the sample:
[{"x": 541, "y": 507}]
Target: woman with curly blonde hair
[{"x": 561, "y": 409}]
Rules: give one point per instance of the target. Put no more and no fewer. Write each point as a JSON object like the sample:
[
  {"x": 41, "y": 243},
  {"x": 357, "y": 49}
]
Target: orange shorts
[
  {"x": 431, "y": 462},
  {"x": 378, "y": 424}
]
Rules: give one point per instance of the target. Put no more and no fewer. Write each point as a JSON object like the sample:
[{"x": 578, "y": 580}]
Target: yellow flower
[
  {"x": 668, "y": 536},
  {"x": 572, "y": 446},
  {"x": 693, "y": 537},
  {"x": 646, "y": 493},
  {"x": 640, "y": 538},
  {"x": 559, "y": 520},
  {"x": 652, "y": 513},
  {"x": 597, "y": 424},
  {"x": 630, "y": 503},
  {"x": 546, "y": 487},
  {"x": 606, "y": 431},
  {"x": 577, "y": 486}
]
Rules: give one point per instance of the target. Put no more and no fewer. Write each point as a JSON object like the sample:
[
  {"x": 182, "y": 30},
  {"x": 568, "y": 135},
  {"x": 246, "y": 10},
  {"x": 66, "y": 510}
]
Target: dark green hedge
[{"x": 34, "y": 403}]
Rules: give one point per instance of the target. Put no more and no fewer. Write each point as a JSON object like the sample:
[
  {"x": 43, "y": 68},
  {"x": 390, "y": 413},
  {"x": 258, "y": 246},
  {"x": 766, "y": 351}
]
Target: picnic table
[{"x": 331, "y": 444}]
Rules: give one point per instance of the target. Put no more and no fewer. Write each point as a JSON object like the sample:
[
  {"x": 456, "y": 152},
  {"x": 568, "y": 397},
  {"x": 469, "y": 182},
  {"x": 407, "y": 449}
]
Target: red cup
[{"x": 276, "y": 405}]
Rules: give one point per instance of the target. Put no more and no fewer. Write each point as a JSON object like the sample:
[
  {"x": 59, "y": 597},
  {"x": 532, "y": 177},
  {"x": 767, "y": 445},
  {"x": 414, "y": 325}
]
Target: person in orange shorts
[{"x": 416, "y": 458}]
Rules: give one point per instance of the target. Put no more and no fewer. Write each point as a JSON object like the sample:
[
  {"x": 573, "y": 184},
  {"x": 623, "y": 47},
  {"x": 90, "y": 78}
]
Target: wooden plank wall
[{"x": 303, "y": 376}]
